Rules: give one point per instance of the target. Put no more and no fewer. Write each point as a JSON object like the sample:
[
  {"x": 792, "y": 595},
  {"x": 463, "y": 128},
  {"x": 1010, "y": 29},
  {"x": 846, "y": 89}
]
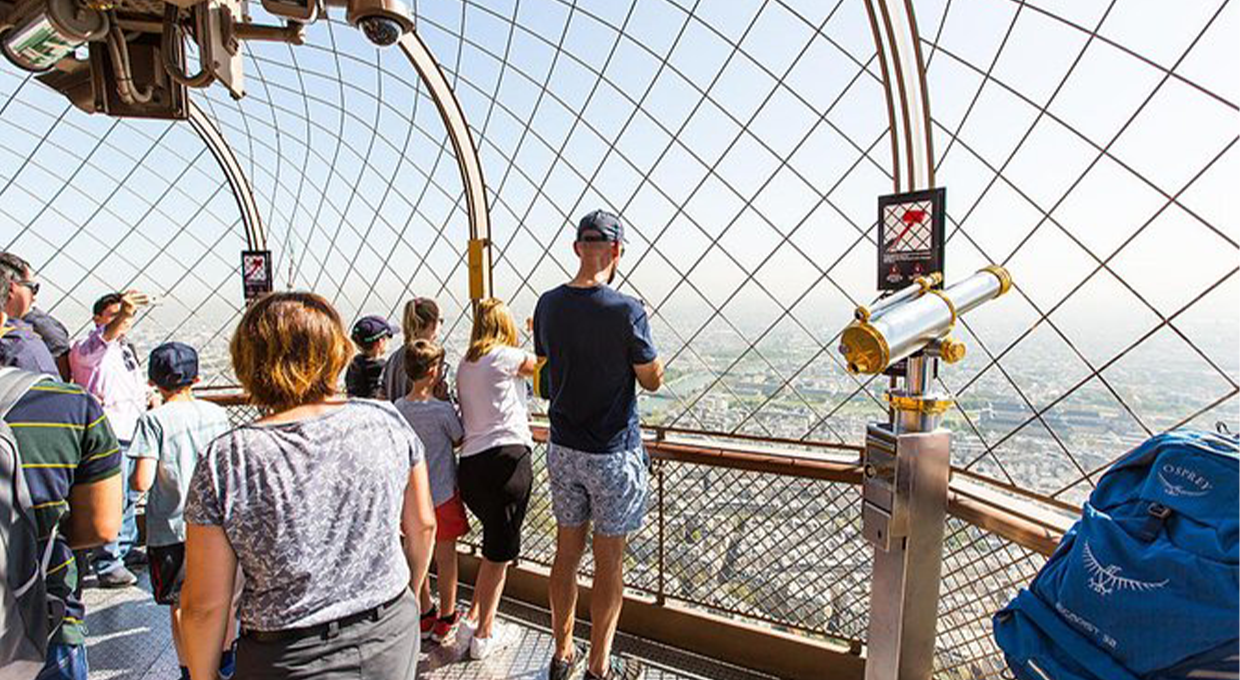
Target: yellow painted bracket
[
  {"x": 477, "y": 270},
  {"x": 541, "y": 383}
]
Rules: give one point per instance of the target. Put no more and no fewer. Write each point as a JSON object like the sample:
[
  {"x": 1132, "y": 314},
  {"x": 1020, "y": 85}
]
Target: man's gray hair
[{"x": 12, "y": 268}]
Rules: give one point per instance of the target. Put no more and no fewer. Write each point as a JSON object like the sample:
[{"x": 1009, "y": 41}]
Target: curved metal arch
[
  {"x": 908, "y": 99},
  {"x": 467, "y": 160},
  {"x": 255, "y": 235},
  {"x": 904, "y": 598}
]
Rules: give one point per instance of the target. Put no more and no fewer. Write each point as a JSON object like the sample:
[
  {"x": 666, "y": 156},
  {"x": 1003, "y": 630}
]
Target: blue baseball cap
[
  {"x": 371, "y": 328},
  {"x": 173, "y": 365},
  {"x": 607, "y": 227}
]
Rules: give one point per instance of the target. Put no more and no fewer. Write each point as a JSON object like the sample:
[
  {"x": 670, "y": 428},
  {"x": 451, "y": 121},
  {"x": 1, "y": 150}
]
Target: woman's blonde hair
[
  {"x": 289, "y": 350},
  {"x": 493, "y": 326},
  {"x": 419, "y": 313}
]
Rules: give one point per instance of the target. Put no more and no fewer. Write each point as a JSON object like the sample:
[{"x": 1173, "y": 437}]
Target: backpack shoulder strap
[{"x": 14, "y": 383}]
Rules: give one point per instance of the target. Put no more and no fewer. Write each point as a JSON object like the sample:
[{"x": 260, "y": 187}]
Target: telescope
[
  {"x": 906, "y": 463},
  {"x": 917, "y": 317}
]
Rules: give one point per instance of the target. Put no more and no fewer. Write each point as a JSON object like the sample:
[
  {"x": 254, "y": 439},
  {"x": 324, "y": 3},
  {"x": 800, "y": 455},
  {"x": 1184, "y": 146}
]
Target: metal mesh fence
[
  {"x": 981, "y": 573},
  {"x": 744, "y": 144},
  {"x": 1088, "y": 146},
  {"x": 785, "y": 552}
]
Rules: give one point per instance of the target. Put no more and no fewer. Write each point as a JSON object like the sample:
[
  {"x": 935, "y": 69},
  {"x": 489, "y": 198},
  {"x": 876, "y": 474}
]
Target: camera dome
[{"x": 381, "y": 30}]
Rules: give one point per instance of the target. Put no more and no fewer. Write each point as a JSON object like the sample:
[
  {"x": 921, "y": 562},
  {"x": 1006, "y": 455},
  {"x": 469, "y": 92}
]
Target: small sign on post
[
  {"x": 256, "y": 274},
  {"x": 910, "y": 236}
]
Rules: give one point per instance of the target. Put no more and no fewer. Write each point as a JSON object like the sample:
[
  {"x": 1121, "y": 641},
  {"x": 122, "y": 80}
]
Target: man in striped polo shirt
[{"x": 71, "y": 461}]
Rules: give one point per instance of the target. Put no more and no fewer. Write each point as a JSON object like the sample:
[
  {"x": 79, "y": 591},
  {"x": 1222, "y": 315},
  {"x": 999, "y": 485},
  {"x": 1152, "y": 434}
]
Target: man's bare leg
[
  {"x": 570, "y": 545},
  {"x": 606, "y": 598}
]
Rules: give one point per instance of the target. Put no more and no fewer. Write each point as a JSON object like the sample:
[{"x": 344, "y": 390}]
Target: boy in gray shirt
[
  {"x": 438, "y": 425},
  {"x": 166, "y": 444}
]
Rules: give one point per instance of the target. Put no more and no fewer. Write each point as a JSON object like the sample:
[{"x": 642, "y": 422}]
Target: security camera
[
  {"x": 382, "y": 21},
  {"x": 42, "y": 32}
]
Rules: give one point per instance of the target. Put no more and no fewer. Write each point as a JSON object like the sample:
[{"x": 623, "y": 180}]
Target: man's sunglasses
[{"x": 32, "y": 285}]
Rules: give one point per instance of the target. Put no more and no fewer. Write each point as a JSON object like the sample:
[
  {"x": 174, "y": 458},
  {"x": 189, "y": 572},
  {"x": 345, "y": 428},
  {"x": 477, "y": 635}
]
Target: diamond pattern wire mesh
[
  {"x": 786, "y": 552},
  {"x": 789, "y": 553},
  {"x": 743, "y": 143},
  {"x": 1088, "y": 146},
  {"x": 910, "y": 226},
  {"x": 981, "y": 574}
]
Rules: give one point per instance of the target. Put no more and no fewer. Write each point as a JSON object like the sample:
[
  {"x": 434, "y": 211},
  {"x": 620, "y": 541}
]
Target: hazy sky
[{"x": 742, "y": 141}]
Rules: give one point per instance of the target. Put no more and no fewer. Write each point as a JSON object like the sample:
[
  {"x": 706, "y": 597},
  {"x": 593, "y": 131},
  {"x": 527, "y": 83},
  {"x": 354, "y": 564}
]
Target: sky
[{"x": 1086, "y": 145}]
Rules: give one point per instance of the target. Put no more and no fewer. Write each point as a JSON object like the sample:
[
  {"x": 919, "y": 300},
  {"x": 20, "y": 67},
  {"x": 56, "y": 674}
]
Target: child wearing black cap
[
  {"x": 166, "y": 445},
  {"x": 365, "y": 375}
]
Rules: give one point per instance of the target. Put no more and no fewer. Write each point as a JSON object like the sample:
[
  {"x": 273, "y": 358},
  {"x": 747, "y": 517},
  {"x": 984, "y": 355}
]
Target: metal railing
[{"x": 773, "y": 537}]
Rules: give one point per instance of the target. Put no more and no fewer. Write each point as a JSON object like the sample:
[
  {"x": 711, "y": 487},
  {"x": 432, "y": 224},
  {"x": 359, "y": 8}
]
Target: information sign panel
[
  {"x": 910, "y": 236},
  {"x": 256, "y": 273}
]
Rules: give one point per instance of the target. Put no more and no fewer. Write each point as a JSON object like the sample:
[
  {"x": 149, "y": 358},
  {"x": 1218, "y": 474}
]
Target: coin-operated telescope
[{"x": 907, "y": 461}]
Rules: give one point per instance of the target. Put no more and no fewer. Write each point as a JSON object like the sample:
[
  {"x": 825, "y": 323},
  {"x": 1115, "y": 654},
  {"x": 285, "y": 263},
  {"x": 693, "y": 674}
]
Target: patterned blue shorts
[{"x": 609, "y": 489}]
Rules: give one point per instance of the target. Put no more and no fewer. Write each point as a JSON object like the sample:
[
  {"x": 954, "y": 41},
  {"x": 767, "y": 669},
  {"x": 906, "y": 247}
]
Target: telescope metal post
[
  {"x": 907, "y": 462},
  {"x": 915, "y": 452}
]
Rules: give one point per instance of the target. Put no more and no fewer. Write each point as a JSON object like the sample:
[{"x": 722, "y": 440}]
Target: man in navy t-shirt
[
  {"x": 597, "y": 345},
  {"x": 20, "y": 344}
]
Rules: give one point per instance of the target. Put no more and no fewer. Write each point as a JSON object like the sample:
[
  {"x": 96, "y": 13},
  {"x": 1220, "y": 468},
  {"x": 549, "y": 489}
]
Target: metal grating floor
[{"x": 130, "y": 640}]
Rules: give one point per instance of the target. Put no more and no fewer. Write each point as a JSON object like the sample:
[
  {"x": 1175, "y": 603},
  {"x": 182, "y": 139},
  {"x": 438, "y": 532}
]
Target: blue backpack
[{"x": 1145, "y": 586}]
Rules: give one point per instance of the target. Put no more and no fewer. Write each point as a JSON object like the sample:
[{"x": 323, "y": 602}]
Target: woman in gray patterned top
[{"x": 311, "y": 502}]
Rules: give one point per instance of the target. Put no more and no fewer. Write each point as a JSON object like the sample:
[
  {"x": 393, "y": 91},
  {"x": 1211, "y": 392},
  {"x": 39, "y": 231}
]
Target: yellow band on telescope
[
  {"x": 1005, "y": 279},
  {"x": 951, "y": 306},
  {"x": 911, "y": 404}
]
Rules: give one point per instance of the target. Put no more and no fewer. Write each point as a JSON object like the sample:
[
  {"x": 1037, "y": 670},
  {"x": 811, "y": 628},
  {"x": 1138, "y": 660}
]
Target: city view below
[
  {"x": 1015, "y": 425},
  {"x": 753, "y": 150}
]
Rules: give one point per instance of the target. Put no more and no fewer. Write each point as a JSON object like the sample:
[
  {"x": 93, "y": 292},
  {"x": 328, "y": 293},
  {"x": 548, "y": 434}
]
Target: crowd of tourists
[{"x": 299, "y": 545}]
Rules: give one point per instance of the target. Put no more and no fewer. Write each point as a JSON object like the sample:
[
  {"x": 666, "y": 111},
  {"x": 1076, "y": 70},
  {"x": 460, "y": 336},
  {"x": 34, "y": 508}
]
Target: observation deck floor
[{"x": 130, "y": 640}]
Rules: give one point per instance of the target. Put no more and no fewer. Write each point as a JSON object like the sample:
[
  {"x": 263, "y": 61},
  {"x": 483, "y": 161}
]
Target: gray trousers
[{"x": 386, "y": 649}]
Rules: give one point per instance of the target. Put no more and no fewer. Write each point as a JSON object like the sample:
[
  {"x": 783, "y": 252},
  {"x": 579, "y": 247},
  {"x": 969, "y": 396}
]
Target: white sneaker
[{"x": 481, "y": 648}]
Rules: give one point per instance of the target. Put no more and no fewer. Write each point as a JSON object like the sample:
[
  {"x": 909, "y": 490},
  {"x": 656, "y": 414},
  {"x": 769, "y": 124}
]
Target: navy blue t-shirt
[
  {"x": 21, "y": 347},
  {"x": 592, "y": 338}
]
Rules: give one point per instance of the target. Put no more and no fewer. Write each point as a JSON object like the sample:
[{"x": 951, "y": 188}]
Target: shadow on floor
[{"x": 129, "y": 639}]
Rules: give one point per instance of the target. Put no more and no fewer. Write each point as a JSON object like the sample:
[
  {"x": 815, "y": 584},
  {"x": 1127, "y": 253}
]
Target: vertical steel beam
[
  {"x": 908, "y": 564},
  {"x": 908, "y": 100},
  {"x": 480, "y": 262},
  {"x": 255, "y": 235}
]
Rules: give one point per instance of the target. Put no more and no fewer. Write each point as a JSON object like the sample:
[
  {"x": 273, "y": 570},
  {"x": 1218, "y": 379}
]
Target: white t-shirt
[{"x": 492, "y": 395}]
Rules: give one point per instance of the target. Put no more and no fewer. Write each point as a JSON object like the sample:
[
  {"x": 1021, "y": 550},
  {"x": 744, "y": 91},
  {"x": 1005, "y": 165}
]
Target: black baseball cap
[
  {"x": 173, "y": 365},
  {"x": 371, "y": 328},
  {"x": 604, "y": 224}
]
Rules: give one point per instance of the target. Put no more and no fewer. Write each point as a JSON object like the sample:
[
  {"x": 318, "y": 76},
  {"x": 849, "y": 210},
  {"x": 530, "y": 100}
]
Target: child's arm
[
  {"x": 145, "y": 451},
  {"x": 528, "y": 365},
  {"x": 143, "y": 477},
  {"x": 456, "y": 431}
]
